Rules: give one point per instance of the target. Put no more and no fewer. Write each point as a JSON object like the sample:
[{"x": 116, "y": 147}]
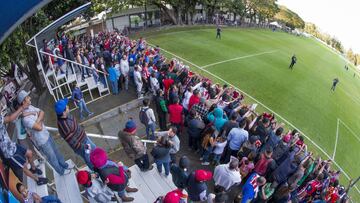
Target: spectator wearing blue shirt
[
  {"x": 113, "y": 78},
  {"x": 77, "y": 97},
  {"x": 236, "y": 138}
]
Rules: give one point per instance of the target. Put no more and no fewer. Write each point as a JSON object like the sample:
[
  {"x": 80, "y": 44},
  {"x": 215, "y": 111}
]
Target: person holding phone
[{"x": 72, "y": 132}]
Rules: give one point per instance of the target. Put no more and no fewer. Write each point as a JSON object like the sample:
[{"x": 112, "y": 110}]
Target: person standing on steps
[
  {"x": 77, "y": 97},
  {"x": 147, "y": 117},
  {"x": 161, "y": 109},
  {"x": 174, "y": 141},
  {"x": 14, "y": 155},
  {"x": 73, "y": 133},
  {"x": 161, "y": 154},
  {"x": 133, "y": 146},
  {"x": 34, "y": 123},
  {"x": 335, "y": 82},
  {"x": 293, "y": 61},
  {"x": 115, "y": 175}
]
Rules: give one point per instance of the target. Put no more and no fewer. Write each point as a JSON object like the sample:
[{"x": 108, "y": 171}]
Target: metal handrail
[{"x": 51, "y": 129}]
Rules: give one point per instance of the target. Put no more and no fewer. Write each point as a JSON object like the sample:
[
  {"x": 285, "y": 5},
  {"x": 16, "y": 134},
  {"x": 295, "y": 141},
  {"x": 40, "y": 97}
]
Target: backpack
[
  {"x": 144, "y": 119},
  {"x": 262, "y": 165}
]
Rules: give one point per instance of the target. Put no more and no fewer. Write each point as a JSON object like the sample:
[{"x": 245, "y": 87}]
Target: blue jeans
[
  {"x": 151, "y": 127},
  {"x": 122, "y": 192},
  {"x": 82, "y": 151},
  {"x": 53, "y": 156},
  {"x": 50, "y": 199},
  {"x": 114, "y": 87},
  {"x": 206, "y": 154},
  {"x": 216, "y": 158},
  {"x": 82, "y": 106},
  {"x": 102, "y": 79},
  {"x": 166, "y": 165}
]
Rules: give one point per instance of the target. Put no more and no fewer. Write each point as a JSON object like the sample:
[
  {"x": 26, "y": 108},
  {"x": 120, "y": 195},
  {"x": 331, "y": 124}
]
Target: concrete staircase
[{"x": 151, "y": 184}]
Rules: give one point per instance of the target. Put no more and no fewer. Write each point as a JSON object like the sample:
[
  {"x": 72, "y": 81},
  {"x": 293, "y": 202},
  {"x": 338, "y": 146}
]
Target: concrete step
[
  {"x": 151, "y": 184},
  {"x": 143, "y": 187},
  {"x": 41, "y": 190},
  {"x": 67, "y": 187},
  {"x": 138, "y": 196}
]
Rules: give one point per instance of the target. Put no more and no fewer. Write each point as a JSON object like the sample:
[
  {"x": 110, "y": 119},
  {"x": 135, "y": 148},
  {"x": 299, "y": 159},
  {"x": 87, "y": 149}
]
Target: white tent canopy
[{"x": 276, "y": 24}]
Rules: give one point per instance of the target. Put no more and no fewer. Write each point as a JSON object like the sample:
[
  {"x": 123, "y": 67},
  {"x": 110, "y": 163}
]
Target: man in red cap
[
  {"x": 197, "y": 187},
  {"x": 94, "y": 188},
  {"x": 175, "y": 196},
  {"x": 112, "y": 174}
]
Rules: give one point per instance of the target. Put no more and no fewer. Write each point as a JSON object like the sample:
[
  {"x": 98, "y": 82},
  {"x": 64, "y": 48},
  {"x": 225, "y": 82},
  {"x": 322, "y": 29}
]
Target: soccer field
[{"x": 256, "y": 61}]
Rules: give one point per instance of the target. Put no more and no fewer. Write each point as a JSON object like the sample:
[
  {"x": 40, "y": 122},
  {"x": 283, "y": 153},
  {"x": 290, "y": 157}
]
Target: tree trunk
[
  {"x": 31, "y": 71},
  {"x": 167, "y": 12}
]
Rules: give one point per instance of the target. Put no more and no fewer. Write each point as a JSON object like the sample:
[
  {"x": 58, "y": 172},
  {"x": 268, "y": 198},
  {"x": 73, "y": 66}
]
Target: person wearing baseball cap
[
  {"x": 133, "y": 146},
  {"x": 94, "y": 188},
  {"x": 73, "y": 133},
  {"x": 114, "y": 174},
  {"x": 197, "y": 187},
  {"x": 14, "y": 155},
  {"x": 33, "y": 121}
]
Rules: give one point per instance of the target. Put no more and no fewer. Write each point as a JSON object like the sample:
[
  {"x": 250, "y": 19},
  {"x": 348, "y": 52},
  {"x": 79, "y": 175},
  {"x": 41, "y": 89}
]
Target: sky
[{"x": 339, "y": 18}]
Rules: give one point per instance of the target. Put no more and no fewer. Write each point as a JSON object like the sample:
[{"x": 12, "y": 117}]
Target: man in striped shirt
[{"x": 73, "y": 133}]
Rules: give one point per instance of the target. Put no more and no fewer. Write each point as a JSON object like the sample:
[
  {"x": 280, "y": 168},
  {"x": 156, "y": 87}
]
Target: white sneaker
[
  {"x": 201, "y": 158},
  {"x": 205, "y": 163},
  {"x": 67, "y": 171}
]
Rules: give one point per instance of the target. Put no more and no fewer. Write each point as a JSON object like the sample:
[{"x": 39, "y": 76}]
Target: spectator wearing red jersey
[{"x": 176, "y": 113}]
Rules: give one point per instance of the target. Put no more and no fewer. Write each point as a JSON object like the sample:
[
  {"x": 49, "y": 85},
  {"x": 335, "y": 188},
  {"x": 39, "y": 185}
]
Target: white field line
[
  {"x": 337, "y": 136},
  {"x": 241, "y": 57},
  {"x": 290, "y": 124},
  {"x": 357, "y": 137}
]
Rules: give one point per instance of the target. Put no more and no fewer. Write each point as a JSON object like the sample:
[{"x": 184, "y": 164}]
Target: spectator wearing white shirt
[
  {"x": 124, "y": 69},
  {"x": 154, "y": 84},
  {"x": 227, "y": 175},
  {"x": 138, "y": 80}
]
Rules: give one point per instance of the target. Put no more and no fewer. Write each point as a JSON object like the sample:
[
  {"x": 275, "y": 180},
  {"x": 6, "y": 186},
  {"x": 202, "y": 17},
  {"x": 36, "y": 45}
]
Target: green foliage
[
  {"x": 331, "y": 41},
  {"x": 290, "y": 18}
]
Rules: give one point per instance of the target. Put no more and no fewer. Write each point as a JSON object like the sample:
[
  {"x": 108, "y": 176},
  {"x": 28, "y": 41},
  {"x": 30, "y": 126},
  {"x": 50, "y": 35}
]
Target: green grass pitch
[{"x": 302, "y": 95}]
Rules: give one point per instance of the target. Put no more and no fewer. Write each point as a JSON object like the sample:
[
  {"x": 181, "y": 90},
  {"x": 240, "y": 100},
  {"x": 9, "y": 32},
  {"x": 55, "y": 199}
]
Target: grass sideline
[{"x": 307, "y": 86}]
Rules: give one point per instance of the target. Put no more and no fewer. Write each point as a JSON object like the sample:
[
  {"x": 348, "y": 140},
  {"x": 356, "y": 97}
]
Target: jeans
[
  {"x": 83, "y": 69},
  {"x": 50, "y": 199},
  {"x": 143, "y": 162},
  {"x": 122, "y": 192},
  {"x": 53, "y": 156},
  {"x": 114, "y": 87},
  {"x": 230, "y": 152},
  {"x": 178, "y": 127},
  {"x": 216, "y": 158},
  {"x": 206, "y": 154},
  {"x": 162, "y": 121},
  {"x": 82, "y": 106},
  {"x": 166, "y": 165},
  {"x": 151, "y": 127},
  {"x": 102, "y": 79},
  {"x": 173, "y": 158},
  {"x": 82, "y": 151},
  {"x": 194, "y": 142},
  {"x": 124, "y": 79}
]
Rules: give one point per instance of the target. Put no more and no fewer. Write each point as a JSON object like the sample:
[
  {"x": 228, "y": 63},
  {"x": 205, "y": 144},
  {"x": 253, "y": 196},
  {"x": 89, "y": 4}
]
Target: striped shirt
[{"x": 71, "y": 132}]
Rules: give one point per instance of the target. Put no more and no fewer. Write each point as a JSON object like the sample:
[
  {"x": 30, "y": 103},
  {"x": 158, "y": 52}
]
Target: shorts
[{"x": 18, "y": 160}]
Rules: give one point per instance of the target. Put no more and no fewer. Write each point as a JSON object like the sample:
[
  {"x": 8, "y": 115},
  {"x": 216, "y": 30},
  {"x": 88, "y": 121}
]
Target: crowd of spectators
[{"x": 252, "y": 153}]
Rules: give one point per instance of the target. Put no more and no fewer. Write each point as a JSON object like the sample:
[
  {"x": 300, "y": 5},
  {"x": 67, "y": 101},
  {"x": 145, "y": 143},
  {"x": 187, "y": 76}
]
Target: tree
[
  {"x": 237, "y": 7},
  {"x": 14, "y": 50},
  {"x": 293, "y": 20},
  {"x": 351, "y": 56}
]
